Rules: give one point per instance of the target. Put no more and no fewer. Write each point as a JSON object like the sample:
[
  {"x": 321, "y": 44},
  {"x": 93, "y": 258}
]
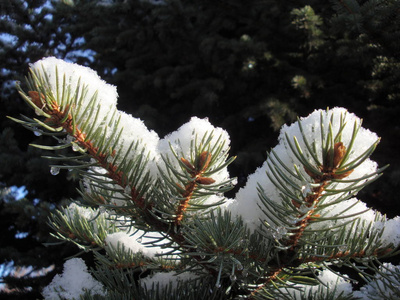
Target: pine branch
[
  {"x": 305, "y": 196},
  {"x": 56, "y": 106},
  {"x": 160, "y": 213}
]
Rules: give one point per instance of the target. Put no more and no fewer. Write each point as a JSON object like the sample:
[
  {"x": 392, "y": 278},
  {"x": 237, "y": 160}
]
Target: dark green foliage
[
  {"x": 24, "y": 230},
  {"x": 29, "y": 30}
]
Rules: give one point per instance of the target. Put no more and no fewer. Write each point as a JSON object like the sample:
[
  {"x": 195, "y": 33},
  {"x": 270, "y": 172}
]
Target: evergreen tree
[
  {"x": 154, "y": 214},
  {"x": 29, "y": 30}
]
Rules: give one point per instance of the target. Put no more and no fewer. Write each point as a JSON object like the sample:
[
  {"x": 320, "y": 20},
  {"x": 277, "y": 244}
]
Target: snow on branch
[{"x": 160, "y": 213}]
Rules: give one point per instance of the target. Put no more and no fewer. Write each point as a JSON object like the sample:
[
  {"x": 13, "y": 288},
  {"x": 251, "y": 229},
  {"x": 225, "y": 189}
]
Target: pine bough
[{"x": 154, "y": 214}]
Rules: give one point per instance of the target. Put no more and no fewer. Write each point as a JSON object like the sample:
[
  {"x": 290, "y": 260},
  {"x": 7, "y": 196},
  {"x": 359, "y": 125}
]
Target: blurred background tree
[
  {"x": 249, "y": 66},
  {"x": 29, "y": 30}
]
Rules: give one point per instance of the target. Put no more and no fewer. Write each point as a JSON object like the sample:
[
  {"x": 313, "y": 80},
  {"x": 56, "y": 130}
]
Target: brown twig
[
  {"x": 57, "y": 115},
  {"x": 329, "y": 170},
  {"x": 196, "y": 174}
]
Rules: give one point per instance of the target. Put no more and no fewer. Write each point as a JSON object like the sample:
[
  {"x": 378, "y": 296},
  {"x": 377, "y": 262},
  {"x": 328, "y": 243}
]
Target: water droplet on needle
[{"x": 54, "y": 170}]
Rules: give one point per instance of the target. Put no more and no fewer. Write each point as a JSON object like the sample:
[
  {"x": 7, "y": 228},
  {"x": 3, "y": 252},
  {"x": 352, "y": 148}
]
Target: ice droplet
[
  {"x": 37, "y": 133},
  {"x": 342, "y": 248},
  {"x": 280, "y": 232},
  {"x": 139, "y": 240},
  {"x": 232, "y": 277},
  {"x": 306, "y": 190},
  {"x": 54, "y": 170},
  {"x": 75, "y": 147}
]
